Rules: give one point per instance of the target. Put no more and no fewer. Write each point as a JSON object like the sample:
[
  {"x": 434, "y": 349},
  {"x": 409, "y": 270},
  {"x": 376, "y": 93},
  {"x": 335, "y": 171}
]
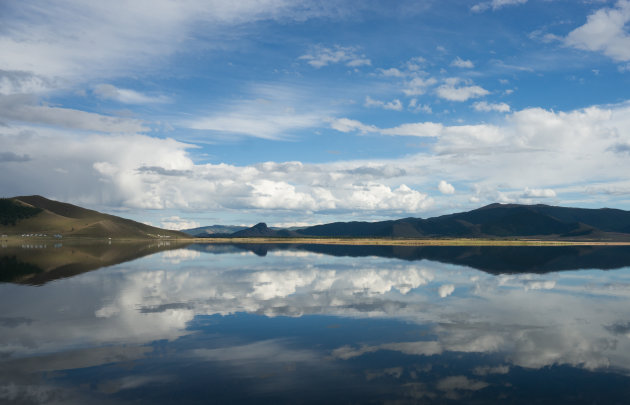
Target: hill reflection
[{"x": 491, "y": 259}]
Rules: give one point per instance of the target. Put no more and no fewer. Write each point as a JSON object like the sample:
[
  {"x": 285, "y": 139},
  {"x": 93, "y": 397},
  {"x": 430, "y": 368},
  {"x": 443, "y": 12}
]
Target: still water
[{"x": 313, "y": 324}]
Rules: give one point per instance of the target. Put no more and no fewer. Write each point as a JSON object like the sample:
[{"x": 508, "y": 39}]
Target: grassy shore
[
  {"x": 413, "y": 242},
  {"x": 17, "y": 240}
]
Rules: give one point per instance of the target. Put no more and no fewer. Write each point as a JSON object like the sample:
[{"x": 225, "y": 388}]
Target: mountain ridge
[{"x": 491, "y": 221}]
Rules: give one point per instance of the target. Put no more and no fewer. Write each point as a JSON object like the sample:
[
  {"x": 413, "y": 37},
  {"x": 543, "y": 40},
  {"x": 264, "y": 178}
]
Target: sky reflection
[{"x": 274, "y": 326}]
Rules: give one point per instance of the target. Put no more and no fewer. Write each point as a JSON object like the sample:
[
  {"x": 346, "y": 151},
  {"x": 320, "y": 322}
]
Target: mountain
[
  {"x": 205, "y": 231},
  {"x": 492, "y": 221},
  {"x": 38, "y": 215},
  {"x": 261, "y": 230}
]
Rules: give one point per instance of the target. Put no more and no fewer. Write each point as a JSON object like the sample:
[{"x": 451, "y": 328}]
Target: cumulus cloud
[
  {"x": 320, "y": 56},
  {"x": 496, "y": 162},
  {"x": 495, "y": 4},
  {"x": 139, "y": 171},
  {"x": 456, "y": 89},
  {"x": 605, "y": 31},
  {"x": 461, "y": 63},
  {"x": 487, "y": 107},
  {"x": 395, "y": 105},
  {"x": 127, "y": 96},
  {"x": 446, "y": 188},
  {"x": 526, "y": 143}
]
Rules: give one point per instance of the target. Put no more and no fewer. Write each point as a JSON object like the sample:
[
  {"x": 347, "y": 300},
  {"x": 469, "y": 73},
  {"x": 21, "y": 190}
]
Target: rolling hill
[
  {"x": 39, "y": 215},
  {"x": 492, "y": 221}
]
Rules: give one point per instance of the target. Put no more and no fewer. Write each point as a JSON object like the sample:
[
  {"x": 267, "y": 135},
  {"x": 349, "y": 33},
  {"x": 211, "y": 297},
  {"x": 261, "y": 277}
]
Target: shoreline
[
  {"x": 408, "y": 242},
  {"x": 12, "y": 240}
]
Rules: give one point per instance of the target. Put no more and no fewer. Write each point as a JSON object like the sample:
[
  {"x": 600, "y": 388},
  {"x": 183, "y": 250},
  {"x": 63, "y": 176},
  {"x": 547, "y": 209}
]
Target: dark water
[{"x": 310, "y": 324}]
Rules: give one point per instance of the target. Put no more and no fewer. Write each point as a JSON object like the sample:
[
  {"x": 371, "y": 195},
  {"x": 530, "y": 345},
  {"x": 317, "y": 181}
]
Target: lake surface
[{"x": 313, "y": 324}]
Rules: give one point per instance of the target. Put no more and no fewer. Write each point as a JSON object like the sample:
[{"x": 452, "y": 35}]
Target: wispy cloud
[
  {"x": 495, "y": 5},
  {"x": 24, "y": 109},
  {"x": 320, "y": 56},
  {"x": 127, "y": 96}
]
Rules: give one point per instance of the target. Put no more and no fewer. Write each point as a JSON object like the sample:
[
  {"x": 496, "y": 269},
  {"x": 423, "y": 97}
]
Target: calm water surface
[{"x": 310, "y": 324}]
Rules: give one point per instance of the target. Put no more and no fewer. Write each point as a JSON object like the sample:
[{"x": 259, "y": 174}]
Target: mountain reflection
[
  {"x": 491, "y": 259},
  {"x": 297, "y": 325}
]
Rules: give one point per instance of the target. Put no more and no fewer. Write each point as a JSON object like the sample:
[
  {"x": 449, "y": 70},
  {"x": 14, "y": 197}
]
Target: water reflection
[{"x": 303, "y": 326}]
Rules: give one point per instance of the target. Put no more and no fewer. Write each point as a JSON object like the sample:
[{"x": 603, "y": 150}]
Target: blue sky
[{"x": 299, "y": 112}]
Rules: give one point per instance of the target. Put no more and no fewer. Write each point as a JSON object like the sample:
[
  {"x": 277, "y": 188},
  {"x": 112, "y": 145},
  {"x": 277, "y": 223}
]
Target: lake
[{"x": 209, "y": 323}]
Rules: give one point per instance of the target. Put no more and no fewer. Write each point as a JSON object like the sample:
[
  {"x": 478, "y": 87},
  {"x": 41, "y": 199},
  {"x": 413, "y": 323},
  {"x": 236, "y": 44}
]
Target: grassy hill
[
  {"x": 493, "y": 221},
  {"x": 39, "y": 215}
]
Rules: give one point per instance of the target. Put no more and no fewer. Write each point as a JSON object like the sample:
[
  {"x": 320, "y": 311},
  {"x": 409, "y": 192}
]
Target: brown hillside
[{"x": 72, "y": 221}]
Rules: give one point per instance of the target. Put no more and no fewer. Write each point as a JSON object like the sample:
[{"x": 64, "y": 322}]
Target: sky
[{"x": 294, "y": 112}]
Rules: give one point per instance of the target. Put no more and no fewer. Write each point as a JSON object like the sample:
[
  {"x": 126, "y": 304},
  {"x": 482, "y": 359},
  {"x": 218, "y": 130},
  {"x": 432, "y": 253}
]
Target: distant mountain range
[
  {"x": 491, "y": 221},
  {"x": 36, "y": 215}
]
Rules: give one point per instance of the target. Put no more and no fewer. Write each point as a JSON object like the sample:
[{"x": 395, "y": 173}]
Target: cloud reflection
[{"x": 529, "y": 321}]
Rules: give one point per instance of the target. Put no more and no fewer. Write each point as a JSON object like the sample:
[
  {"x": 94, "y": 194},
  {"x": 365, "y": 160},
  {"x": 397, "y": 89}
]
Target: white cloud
[
  {"x": 445, "y": 290},
  {"x": 176, "y": 223},
  {"x": 127, "y": 96},
  {"x": 23, "y": 108},
  {"x": 138, "y": 171},
  {"x": 605, "y": 31},
  {"x": 250, "y": 123},
  {"x": 428, "y": 129},
  {"x": 415, "y": 107},
  {"x": 495, "y": 4},
  {"x": 270, "y": 112},
  {"x": 559, "y": 153},
  {"x": 348, "y": 125},
  {"x": 320, "y": 56},
  {"x": 392, "y": 72},
  {"x": 539, "y": 193},
  {"x": 81, "y": 40},
  {"x": 418, "y": 86},
  {"x": 461, "y": 63},
  {"x": 456, "y": 89},
  {"x": 20, "y": 82},
  {"x": 487, "y": 107},
  {"x": 395, "y": 105},
  {"x": 460, "y": 382},
  {"x": 446, "y": 188}
]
